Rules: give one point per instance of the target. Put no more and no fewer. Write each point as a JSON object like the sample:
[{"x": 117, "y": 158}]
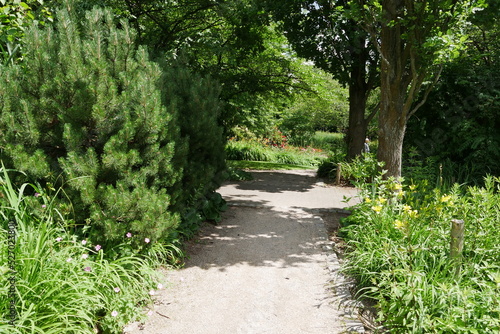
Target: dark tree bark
[{"x": 393, "y": 87}]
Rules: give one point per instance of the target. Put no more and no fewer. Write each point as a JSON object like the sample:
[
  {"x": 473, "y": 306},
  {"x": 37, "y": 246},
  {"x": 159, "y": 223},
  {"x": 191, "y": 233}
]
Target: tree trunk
[
  {"x": 360, "y": 84},
  {"x": 390, "y": 140},
  {"x": 356, "y": 133},
  {"x": 393, "y": 89}
]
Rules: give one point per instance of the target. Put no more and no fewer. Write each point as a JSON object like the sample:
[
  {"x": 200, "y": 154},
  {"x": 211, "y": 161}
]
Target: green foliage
[
  {"x": 328, "y": 141},
  {"x": 254, "y": 150},
  {"x": 15, "y": 18},
  {"x": 237, "y": 174},
  {"x": 64, "y": 283},
  {"x": 200, "y": 153},
  {"x": 363, "y": 168},
  {"x": 297, "y": 126},
  {"x": 460, "y": 121},
  {"x": 213, "y": 205},
  {"x": 398, "y": 250},
  {"x": 85, "y": 111},
  {"x": 324, "y": 107},
  {"x": 248, "y": 150}
]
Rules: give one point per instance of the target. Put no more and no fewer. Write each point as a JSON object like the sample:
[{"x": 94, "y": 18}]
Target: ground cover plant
[
  {"x": 398, "y": 242},
  {"x": 63, "y": 283}
]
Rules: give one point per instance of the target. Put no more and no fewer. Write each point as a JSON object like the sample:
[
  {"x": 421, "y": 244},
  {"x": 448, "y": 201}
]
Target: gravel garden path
[{"x": 268, "y": 267}]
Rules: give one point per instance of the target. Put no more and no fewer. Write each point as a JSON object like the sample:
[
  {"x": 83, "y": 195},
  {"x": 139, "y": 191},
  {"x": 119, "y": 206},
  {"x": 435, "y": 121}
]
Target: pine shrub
[
  {"x": 200, "y": 155},
  {"x": 85, "y": 111}
]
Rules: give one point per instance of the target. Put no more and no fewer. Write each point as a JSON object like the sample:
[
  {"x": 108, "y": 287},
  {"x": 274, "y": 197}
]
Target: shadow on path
[
  {"x": 258, "y": 237},
  {"x": 277, "y": 182}
]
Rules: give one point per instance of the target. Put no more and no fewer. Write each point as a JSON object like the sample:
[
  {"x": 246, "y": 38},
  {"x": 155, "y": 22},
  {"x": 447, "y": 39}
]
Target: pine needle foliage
[
  {"x": 201, "y": 154},
  {"x": 85, "y": 111}
]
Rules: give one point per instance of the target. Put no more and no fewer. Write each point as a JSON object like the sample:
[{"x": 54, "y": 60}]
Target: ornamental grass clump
[
  {"x": 63, "y": 284},
  {"x": 398, "y": 241}
]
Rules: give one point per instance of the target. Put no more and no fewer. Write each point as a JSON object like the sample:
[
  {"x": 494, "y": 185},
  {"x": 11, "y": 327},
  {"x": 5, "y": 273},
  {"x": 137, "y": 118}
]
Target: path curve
[{"x": 266, "y": 268}]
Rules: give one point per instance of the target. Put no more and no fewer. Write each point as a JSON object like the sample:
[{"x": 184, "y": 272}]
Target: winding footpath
[{"x": 268, "y": 267}]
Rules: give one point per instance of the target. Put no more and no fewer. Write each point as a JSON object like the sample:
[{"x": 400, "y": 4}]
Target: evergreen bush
[
  {"x": 201, "y": 156},
  {"x": 85, "y": 111}
]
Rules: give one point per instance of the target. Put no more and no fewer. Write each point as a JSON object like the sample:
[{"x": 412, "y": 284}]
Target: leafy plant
[
  {"x": 363, "y": 168},
  {"x": 65, "y": 283},
  {"x": 398, "y": 250},
  {"x": 235, "y": 174}
]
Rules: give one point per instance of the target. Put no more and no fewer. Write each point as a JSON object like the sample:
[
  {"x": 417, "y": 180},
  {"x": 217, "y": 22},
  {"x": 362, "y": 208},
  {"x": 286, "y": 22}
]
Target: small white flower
[
  {"x": 114, "y": 313},
  {"x": 85, "y": 256}
]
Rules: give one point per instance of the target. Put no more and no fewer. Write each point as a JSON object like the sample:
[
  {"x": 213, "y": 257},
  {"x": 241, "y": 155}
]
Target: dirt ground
[{"x": 268, "y": 267}]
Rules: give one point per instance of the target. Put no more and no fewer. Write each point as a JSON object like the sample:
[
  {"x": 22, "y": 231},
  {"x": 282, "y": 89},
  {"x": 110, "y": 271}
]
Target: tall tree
[
  {"x": 461, "y": 118},
  {"x": 323, "y": 32},
  {"x": 229, "y": 40},
  {"x": 414, "y": 38}
]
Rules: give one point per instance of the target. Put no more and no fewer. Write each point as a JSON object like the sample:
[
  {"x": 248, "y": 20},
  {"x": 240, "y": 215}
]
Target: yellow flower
[
  {"x": 382, "y": 200},
  {"x": 368, "y": 200},
  {"x": 445, "y": 199},
  {"x": 377, "y": 208},
  {"x": 399, "y": 224},
  {"x": 398, "y": 186},
  {"x": 407, "y": 208},
  {"x": 413, "y": 213}
]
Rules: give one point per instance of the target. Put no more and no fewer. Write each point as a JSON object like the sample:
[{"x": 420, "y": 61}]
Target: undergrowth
[
  {"x": 65, "y": 283},
  {"x": 398, "y": 241}
]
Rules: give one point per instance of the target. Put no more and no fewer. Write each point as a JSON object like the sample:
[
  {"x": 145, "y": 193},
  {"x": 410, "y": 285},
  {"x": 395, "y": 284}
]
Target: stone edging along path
[{"x": 268, "y": 267}]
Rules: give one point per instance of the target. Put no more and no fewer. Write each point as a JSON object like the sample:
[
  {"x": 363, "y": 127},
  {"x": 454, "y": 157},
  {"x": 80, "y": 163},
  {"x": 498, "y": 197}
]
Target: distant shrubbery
[{"x": 255, "y": 150}]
